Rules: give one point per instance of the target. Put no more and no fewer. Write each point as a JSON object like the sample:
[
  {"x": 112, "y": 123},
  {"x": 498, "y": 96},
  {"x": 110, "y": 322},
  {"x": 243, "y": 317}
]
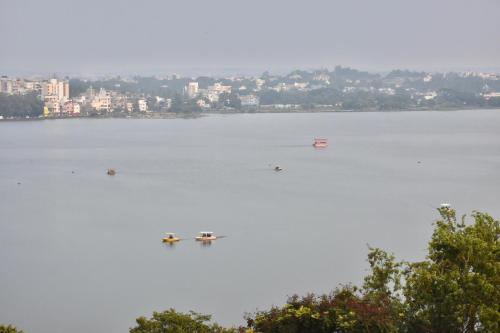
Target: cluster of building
[
  {"x": 206, "y": 98},
  {"x": 18, "y": 86},
  {"x": 57, "y": 101},
  {"x": 55, "y": 95},
  {"x": 108, "y": 101}
]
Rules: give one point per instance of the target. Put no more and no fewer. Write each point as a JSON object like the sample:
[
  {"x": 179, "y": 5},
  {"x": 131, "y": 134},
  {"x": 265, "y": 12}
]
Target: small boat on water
[
  {"x": 170, "y": 237},
  {"x": 206, "y": 236},
  {"x": 445, "y": 206},
  {"x": 320, "y": 143},
  {"x": 278, "y": 168},
  {"x": 111, "y": 172}
]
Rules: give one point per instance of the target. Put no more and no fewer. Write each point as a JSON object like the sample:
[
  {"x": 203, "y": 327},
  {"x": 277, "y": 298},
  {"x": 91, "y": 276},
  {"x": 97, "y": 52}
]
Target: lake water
[{"x": 81, "y": 251}]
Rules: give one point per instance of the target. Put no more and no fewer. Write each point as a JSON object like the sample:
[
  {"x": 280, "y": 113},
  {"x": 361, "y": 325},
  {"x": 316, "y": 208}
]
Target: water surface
[{"x": 80, "y": 251}]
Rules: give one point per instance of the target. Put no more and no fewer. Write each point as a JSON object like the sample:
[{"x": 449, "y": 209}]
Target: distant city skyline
[{"x": 229, "y": 37}]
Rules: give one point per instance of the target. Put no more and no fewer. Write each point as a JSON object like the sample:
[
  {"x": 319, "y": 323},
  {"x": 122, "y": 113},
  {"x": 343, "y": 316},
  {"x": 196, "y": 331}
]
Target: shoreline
[{"x": 192, "y": 115}]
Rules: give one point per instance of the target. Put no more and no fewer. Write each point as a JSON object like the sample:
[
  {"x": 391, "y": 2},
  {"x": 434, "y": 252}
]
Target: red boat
[{"x": 320, "y": 143}]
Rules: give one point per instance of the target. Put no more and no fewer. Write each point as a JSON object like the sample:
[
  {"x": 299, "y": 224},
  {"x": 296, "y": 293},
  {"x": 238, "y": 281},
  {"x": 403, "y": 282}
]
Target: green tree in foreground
[
  {"x": 9, "y": 329},
  {"x": 171, "y": 321},
  {"x": 374, "y": 308},
  {"x": 458, "y": 288},
  {"x": 455, "y": 290},
  {"x": 344, "y": 310}
]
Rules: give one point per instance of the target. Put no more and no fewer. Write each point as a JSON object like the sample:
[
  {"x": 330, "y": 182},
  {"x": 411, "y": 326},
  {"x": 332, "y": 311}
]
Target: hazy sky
[{"x": 127, "y": 36}]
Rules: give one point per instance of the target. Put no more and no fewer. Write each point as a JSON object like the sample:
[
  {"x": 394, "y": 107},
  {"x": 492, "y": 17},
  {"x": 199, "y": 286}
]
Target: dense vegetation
[
  {"x": 9, "y": 329},
  {"x": 350, "y": 89},
  {"x": 372, "y": 100},
  {"x": 20, "y": 105},
  {"x": 456, "y": 289},
  {"x": 175, "y": 322}
]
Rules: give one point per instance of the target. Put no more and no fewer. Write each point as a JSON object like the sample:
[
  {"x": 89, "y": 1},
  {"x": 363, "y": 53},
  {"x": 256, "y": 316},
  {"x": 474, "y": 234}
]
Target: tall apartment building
[
  {"x": 54, "y": 87},
  {"x": 192, "y": 89},
  {"x": 143, "y": 105},
  {"x": 55, "y": 94},
  {"x": 6, "y": 85}
]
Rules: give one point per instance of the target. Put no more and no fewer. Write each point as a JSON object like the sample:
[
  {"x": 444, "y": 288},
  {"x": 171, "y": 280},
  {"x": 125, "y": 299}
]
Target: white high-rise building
[
  {"x": 192, "y": 89},
  {"x": 143, "y": 105}
]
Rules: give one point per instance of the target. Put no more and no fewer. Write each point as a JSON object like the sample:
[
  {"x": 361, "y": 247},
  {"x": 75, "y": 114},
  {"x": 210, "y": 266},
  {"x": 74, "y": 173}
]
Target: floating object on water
[
  {"x": 111, "y": 172},
  {"x": 278, "y": 168},
  {"x": 170, "y": 237},
  {"x": 18, "y": 183},
  {"x": 206, "y": 236},
  {"x": 320, "y": 143}
]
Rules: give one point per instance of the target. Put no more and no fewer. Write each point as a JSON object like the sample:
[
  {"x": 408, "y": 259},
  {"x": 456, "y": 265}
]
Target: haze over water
[{"x": 82, "y": 251}]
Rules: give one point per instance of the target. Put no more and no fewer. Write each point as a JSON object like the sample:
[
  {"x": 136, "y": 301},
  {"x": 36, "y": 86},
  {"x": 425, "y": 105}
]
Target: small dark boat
[{"x": 111, "y": 172}]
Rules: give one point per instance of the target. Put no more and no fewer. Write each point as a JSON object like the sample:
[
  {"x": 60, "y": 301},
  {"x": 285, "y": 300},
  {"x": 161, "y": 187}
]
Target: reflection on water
[
  {"x": 170, "y": 245},
  {"x": 205, "y": 243}
]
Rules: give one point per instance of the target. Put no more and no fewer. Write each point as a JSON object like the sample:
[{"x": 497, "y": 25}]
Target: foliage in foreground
[
  {"x": 171, "y": 321},
  {"x": 455, "y": 290},
  {"x": 9, "y": 329},
  {"x": 458, "y": 288}
]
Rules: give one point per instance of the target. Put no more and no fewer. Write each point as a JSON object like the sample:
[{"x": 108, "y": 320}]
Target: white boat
[{"x": 206, "y": 236}]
